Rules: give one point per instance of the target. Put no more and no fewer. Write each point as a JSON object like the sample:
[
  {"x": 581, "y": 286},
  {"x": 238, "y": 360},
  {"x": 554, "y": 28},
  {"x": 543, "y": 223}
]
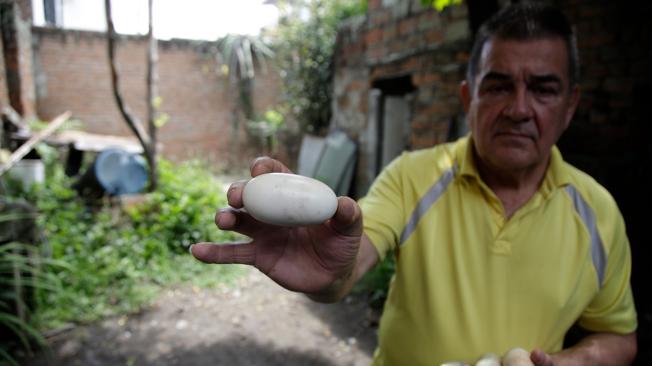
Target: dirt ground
[{"x": 255, "y": 323}]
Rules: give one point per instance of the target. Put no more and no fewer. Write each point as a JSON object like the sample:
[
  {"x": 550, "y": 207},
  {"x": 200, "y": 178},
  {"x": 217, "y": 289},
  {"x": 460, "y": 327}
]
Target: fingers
[
  {"x": 348, "y": 217},
  {"x": 540, "y": 358},
  {"x": 266, "y": 164},
  {"x": 259, "y": 166},
  {"x": 234, "y": 194},
  {"x": 224, "y": 253},
  {"x": 240, "y": 222}
]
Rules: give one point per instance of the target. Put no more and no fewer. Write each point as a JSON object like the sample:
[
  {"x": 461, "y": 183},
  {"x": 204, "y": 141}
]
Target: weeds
[{"x": 97, "y": 261}]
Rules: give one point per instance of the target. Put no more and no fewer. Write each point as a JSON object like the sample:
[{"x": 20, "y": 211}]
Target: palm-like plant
[{"x": 237, "y": 57}]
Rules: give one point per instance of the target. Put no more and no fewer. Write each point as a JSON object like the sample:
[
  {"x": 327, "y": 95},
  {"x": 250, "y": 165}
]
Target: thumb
[
  {"x": 348, "y": 217},
  {"x": 540, "y": 358}
]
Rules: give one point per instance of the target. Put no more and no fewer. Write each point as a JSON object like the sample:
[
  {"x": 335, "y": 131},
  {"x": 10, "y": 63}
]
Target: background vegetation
[
  {"x": 304, "y": 43},
  {"x": 101, "y": 259}
]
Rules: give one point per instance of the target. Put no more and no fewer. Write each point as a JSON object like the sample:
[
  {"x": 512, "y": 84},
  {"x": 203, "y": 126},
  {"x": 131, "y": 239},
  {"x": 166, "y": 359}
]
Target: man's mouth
[{"x": 515, "y": 134}]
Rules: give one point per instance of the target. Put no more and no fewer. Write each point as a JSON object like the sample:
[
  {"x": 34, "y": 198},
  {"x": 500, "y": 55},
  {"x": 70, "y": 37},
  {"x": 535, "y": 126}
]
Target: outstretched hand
[{"x": 307, "y": 259}]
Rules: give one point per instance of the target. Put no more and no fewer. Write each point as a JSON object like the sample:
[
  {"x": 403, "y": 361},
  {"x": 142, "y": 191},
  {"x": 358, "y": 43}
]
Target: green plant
[
  {"x": 440, "y": 4},
  {"x": 181, "y": 212},
  {"x": 237, "y": 57},
  {"x": 23, "y": 276},
  {"x": 266, "y": 128},
  {"x": 37, "y": 125},
  {"x": 118, "y": 259},
  {"x": 304, "y": 44},
  {"x": 376, "y": 282}
]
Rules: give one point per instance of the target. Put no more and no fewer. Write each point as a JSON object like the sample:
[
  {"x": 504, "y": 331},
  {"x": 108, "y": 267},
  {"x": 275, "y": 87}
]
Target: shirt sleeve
[
  {"x": 612, "y": 309},
  {"x": 383, "y": 209}
]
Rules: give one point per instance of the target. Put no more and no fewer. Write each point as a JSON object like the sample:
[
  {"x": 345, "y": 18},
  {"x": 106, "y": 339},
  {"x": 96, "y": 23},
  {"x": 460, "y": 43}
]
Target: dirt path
[{"x": 256, "y": 323}]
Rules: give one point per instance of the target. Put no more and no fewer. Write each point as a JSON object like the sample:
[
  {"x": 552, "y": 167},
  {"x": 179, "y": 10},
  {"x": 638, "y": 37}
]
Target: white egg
[
  {"x": 288, "y": 199},
  {"x": 517, "y": 357},
  {"x": 488, "y": 359}
]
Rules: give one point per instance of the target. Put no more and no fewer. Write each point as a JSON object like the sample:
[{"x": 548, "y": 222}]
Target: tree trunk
[
  {"x": 147, "y": 140},
  {"x": 152, "y": 103}
]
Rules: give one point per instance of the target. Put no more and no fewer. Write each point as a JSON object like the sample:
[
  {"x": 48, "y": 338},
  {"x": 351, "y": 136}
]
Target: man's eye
[
  {"x": 545, "y": 91},
  {"x": 497, "y": 89}
]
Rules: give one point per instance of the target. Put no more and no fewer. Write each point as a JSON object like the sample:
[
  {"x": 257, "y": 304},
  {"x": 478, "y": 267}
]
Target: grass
[{"x": 100, "y": 260}]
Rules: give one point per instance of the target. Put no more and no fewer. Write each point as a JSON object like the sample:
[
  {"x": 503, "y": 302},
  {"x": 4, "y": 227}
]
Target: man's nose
[{"x": 519, "y": 106}]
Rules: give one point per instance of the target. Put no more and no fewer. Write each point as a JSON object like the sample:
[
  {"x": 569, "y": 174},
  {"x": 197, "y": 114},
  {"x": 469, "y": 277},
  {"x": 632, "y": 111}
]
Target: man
[{"x": 499, "y": 243}]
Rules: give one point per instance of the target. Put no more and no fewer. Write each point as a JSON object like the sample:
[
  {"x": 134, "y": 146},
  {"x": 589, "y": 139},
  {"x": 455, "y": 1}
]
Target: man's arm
[
  {"x": 598, "y": 349},
  {"x": 366, "y": 259}
]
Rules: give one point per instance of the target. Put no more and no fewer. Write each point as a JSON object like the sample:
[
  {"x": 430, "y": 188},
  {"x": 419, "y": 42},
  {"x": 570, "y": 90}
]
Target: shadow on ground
[
  {"x": 233, "y": 352},
  {"x": 257, "y": 323},
  {"x": 349, "y": 319}
]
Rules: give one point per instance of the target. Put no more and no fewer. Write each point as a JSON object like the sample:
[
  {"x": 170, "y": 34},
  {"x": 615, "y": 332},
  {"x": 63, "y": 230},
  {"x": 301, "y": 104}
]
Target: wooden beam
[{"x": 25, "y": 148}]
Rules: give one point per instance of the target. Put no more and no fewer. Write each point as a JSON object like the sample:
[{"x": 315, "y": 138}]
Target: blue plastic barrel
[{"x": 120, "y": 172}]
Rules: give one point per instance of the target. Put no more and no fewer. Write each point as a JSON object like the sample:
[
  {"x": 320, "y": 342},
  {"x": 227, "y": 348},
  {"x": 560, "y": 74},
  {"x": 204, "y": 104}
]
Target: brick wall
[
  {"x": 72, "y": 73},
  {"x": 404, "y": 38},
  {"x": 400, "y": 40}
]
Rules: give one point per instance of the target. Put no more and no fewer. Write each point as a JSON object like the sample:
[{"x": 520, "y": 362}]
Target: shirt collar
[
  {"x": 556, "y": 175},
  {"x": 464, "y": 158}
]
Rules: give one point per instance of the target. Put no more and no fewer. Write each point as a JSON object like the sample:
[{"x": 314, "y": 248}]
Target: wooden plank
[{"x": 25, "y": 148}]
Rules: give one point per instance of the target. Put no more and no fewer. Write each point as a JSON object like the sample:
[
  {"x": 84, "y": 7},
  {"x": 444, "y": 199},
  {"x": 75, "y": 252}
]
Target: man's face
[{"x": 521, "y": 102}]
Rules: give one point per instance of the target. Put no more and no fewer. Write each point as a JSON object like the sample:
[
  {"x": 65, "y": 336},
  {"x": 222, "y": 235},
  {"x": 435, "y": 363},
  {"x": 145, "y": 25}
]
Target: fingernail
[
  {"x": 219, "y": 217},
  {"x": 190, "y": 249}
]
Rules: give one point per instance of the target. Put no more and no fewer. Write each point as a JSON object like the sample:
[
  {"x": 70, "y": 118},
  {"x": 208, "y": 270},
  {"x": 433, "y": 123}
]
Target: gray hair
[{"x": 522, "y": 22}]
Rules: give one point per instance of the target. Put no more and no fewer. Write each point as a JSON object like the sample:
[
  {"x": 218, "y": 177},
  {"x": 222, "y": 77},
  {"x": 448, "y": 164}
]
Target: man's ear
[
  {"x": 465, "y": 95},
  {"x": 572, "y": 105}
]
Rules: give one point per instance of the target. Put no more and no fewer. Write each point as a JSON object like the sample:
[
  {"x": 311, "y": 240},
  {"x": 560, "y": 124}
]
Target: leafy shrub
[
  {"x": 181, "y": 211},
  {"x": 118, "y": 259},
  {"x": 304, "y": 46},
  {"x": 375, "y": 283},
  {"x": 22, "y": 273}
]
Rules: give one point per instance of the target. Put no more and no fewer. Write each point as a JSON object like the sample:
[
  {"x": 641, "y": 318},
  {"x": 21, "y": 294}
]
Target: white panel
[{"x": 396, "y": 119}]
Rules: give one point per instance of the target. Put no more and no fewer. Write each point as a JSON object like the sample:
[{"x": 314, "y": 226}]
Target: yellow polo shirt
[{"x": 469, "y": 281}]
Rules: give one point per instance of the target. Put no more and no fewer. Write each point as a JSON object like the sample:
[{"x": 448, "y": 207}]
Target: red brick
[
  {"x": 434, "y": 36},
  {"x": 374, "y": 36},
  {"x": 374, "y": 4},
  {"x": 431, "y": 78},
  {"x": 390, "y": 33},
  {"x": 411, "y": 64},
  {"x": 407, "y": 26},
  {"x": 379, "y": 18},
  {"x": 358, "y": 85},
  {"x": 196, "y": 99}
]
